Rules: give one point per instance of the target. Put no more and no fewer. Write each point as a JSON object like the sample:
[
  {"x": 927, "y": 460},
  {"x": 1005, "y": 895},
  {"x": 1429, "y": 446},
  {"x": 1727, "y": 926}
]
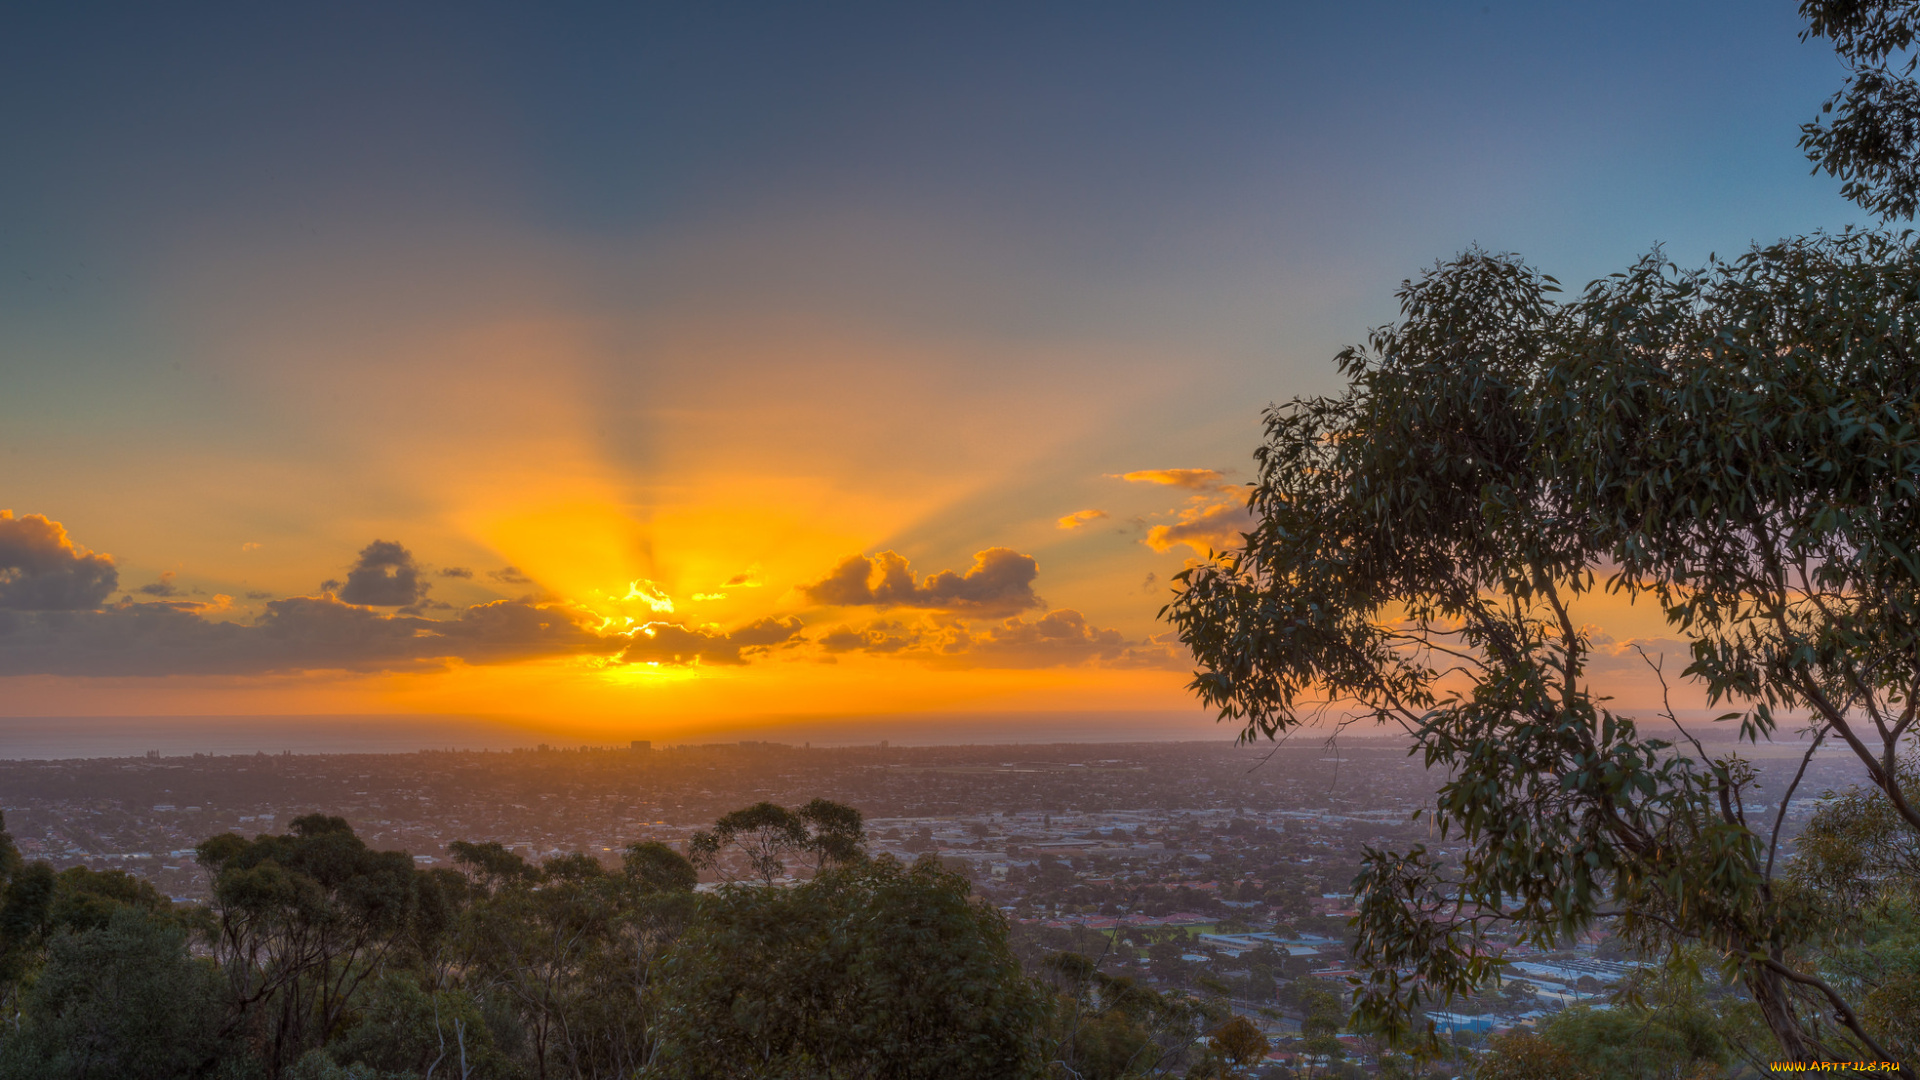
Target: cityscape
[{"x": 1195, "y": 867}]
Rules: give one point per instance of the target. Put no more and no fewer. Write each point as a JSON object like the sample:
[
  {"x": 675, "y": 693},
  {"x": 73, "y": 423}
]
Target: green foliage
[
  {"x": 1524, "y": 1055},
  {"x": 528, "y": 938},
  {"x": 490, "y": 863},
  {"x": 120, "y": 1000},
  {"x": 25, "y": 918},
  {"x": 86, "y": 899},
  {"x": 1736, "y": 444},
  {"x": 1857, "y": 851},
  {"x": 1859, "y": 865},
  {"x": 1869, "y": 132},
  {"x": 1105, "y": 1027},
  {"x": 330, "y": 961},
  {"x": 303, "y": 920},
  {"x": 1240, "y": 1041},
  {"x": 655, "y": 867},
  {"x": 766, "y": 835},
  {"x": 405, "y": 1029},
  {"x": 871, "y": 968},
  {"x": 1630, "y": 1045},
  {"x": 316, "y": 1065}
]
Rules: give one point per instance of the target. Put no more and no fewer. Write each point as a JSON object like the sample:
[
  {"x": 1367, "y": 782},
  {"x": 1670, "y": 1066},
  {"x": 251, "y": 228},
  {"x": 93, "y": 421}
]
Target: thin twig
[{"x": 1773, "y": 844}]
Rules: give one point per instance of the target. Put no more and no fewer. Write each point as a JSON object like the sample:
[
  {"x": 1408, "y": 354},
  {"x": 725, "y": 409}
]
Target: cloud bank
[
  {"x": 1060, "y": 638},
  {"x": 324, "y": 633},
  {"x": 1000, "y": 582},
  {"x": 57, "y": 620}
]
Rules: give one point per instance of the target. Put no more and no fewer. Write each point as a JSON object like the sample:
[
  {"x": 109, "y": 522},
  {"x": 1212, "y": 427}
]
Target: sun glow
[{"x": 652, "y": 595}]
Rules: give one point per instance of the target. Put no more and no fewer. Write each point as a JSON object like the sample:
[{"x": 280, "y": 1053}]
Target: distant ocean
[{"x": 54, "y": 737}]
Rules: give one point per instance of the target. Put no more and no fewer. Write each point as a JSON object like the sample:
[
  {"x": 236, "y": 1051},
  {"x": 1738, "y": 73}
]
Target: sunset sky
[{"x": 651, "y": 370}]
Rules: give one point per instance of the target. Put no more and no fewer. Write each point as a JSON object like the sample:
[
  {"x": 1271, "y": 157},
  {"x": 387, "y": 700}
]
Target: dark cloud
[
  {"x": 1000, "y": 581},
  {"x": 163, "y": 587},
  {"x": 509, "y": 575},
  {"x": 456, "y": 572},
  {"x": 384, "y": 575},
  {"x": 675, "y": 643},
  {"x": 881, "y": 637},
  {"x": 299, "y": 633},
  {"x": 323, "y": 633},
  {"x": 42, "y": 570},
  {"x": 1060, "y": 638},
  {"x": 258, "y": 595}
]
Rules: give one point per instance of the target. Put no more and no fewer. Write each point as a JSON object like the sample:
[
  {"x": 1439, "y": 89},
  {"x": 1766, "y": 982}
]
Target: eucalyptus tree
[
  {"x": 302, "y": 921},
  {"x": 122, "y": 998},
  {"x": 767, "y": 834},
  {"x": 1738, "y": 446},
  {"x": 868, "y": 969}
]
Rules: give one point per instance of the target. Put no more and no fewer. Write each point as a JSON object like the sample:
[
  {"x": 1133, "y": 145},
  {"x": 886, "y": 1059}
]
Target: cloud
[
  {"x": 316, "y": 633},
  {"x": 163, "y": 587},
  {"x": 456, "y": 572},
  {"x": 384, "y": 575},
  {"x": 1081, "y": 517},
  {"x": 675, "y": 643},
  {"x": 42, "y": 570},
  {"x": 1000, "y": 581},
  {"x": 249, "y": 546},
  {"x": 509, "y": 575},
  {"x": 1060, "y": 638},
  {"x": 1204, "y": 528},
  {"x": 323, "y": 633},
  {"x": 1194, "y": 479},
  {"x": 748, "y": 580},
  {"x": 258, "y": 594},
  {"x": 884, "y": 636},
  {"x": 299, "y": 633}
]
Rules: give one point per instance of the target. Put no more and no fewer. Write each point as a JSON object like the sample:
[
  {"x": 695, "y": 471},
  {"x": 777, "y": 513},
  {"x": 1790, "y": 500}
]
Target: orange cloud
[
  {"x": 1204, "y": 528},
  {"x": 1081, "y": 517},
  {"x": 1194, "y": 479}
]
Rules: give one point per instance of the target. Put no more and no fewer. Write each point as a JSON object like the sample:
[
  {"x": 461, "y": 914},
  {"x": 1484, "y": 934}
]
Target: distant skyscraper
[{"x": 642, "y": 744}]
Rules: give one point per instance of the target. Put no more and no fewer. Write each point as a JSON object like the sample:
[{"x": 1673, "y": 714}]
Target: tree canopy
[
  {"x": 323, "y": 959},
  {"x": 1737, "y": 445}
]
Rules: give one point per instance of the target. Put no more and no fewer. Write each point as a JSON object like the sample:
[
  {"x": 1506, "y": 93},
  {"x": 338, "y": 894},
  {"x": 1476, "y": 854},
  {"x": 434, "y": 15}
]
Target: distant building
[
  {"x": 641, "y": 744},
  {"x": 1447, "y": 1023}
]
